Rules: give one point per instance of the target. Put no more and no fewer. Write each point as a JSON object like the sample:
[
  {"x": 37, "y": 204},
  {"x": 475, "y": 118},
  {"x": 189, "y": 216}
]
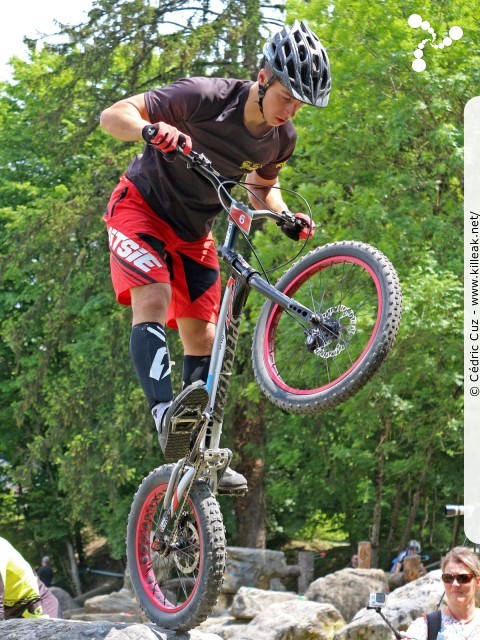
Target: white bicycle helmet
[
  {"x": 299, "y": 61},
  {"x": 414, "y": 545}
]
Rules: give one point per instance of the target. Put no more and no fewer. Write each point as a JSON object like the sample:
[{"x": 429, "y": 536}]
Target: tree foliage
[{"x": 382, "y": 164}]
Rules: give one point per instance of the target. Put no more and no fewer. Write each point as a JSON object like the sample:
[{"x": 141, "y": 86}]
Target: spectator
[
  {"x": 45, "y": 571},
  {"x": 22, "y": 593},
  {"x": 354, "y": 562},
  {"x": 398, "y": 577},
  {"x": 414, "y": 549},
  {"x": 459, "y": 618}
]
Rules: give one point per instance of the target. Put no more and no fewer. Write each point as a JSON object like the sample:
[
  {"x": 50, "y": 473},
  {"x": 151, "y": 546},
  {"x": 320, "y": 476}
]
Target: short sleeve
[
  {"x": 287, "y": 141},
  {"x": 418, "y": 629},
  {"x": 175, "y": 103}
]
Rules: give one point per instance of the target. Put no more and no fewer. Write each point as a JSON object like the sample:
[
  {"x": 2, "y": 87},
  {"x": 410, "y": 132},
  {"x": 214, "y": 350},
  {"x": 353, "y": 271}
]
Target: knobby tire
[
  {"x": 180, "y": 590},
  {"x": 303, "y": 370}
]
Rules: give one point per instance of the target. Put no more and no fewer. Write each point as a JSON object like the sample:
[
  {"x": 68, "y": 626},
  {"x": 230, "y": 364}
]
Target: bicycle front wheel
[
  {"x": 176, "y": 573},
  {"x": 306, "y": 369}
]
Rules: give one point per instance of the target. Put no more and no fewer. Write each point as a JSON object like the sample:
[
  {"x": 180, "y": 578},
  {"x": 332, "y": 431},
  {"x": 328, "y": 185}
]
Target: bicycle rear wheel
[
  {"x": 176, "y": 584},
  {"x": 304, "y": 369}
]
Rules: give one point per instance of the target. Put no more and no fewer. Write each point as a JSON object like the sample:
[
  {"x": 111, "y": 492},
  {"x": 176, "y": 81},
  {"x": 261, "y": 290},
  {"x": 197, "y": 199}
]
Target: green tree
[
  {"x": 76, "y": 436},
  {"x": 384, "y": 164}
]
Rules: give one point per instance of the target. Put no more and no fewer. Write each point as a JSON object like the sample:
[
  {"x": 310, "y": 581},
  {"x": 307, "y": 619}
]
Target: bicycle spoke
[{"x": 342, "y": 292}]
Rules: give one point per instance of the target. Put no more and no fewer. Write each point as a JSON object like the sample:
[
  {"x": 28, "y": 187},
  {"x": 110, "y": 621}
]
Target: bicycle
[{"x": 322, "y": 333}]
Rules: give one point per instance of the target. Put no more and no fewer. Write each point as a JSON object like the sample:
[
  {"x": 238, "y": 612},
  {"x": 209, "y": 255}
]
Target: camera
[
  {"x": 377, "y": 601},
  {"x": 452, "y": 510}
]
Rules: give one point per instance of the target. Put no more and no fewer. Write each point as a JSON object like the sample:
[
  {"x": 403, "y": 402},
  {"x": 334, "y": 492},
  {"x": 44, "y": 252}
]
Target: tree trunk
[
  {"x": 417, "y": 496},
  {"x": 391, "y": 540},
  {"x": 377, "y": 507},
  {"x": 74, "y": 570},
  {"x": 433, "y": 519},
  {"x": 456, "y": 526},
  {"x": 252, "y": 37},
  {"x": 249, "y": 449}
]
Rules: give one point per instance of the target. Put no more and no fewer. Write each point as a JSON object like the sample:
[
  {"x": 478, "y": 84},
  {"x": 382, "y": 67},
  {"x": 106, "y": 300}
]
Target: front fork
[{"x": 209, "y": 464}]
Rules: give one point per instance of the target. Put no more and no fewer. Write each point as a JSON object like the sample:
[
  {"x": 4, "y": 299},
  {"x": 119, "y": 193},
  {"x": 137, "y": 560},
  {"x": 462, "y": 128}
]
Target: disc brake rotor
[
  {"x": 187, "y": 556},
  {"x": 333, "y": 344}
]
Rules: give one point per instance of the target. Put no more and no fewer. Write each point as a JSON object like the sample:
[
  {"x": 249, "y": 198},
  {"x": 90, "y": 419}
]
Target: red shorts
[{"x": 144, "y": 249}]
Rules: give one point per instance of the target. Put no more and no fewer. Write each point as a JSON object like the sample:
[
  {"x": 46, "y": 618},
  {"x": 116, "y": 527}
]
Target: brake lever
[
  {"x": 288, "y": 219},
  {"x": 171, "y": 155}
]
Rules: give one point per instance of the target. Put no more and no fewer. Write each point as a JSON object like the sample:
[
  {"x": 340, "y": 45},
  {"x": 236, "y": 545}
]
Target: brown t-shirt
[{"x": 210, "y": 111}]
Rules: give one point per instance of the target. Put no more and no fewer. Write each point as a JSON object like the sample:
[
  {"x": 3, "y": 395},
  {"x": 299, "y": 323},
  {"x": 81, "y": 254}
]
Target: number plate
[{"x": 241, "y": 216}]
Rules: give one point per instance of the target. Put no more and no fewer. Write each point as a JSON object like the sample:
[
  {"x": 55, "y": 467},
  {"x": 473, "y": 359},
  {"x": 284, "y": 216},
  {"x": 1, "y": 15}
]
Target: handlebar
[{"x": 200, "y": 163}]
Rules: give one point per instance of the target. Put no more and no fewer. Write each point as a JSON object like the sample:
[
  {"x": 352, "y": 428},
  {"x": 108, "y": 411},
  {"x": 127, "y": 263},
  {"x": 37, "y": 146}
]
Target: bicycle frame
[
  {"x": 242, "y": 279},
  {"x": 207, "y": 456}
]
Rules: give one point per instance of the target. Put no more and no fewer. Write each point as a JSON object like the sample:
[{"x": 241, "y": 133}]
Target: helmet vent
[{"x": 299, "y": 61}]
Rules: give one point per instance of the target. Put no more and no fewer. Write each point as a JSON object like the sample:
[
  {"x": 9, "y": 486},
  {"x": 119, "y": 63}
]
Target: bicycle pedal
[
  {"x": 217, "y": 457},
  {"x": 177, "y": 444},
  {"x": 185, "y": 420},
  {"x": 180, "y": 421}
]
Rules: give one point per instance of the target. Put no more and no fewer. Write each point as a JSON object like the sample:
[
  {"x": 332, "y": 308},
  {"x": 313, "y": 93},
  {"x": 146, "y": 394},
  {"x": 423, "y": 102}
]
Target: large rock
[
  {"x": 249, "y": 602},
  {"x": 247, "y": 567},
  {"x": 293, "y": 620},
  {"x": 227, "y": 627},
  {"x": 366, "y": 625},
  {"x": 67, "y": 603},
  {"x": 404, "y": 605},
  {"x": 62, "y": 629},
  {"x": 348, "y": 589},
  {"x": 129, "y": 618},
  {"x": 106, "y": 587},
  {"x": 117, "y": 602}
]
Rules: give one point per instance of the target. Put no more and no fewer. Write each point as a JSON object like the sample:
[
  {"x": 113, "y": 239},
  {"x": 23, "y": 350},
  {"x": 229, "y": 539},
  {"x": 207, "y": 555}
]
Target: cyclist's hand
[
  {"x": 166, "y": 137},
  {"x": 304, "y": 228}
]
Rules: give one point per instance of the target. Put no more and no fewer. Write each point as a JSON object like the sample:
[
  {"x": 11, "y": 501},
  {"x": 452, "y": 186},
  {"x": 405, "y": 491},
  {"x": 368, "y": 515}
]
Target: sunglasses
[{"x": 461, "y": 578}]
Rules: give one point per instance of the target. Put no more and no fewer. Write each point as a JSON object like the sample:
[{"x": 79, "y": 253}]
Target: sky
[{"x": 28, "y": 18}]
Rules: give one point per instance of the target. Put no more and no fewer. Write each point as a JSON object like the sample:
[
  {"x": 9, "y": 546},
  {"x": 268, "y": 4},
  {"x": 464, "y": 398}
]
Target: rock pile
[{"x": 333, "y": 608}]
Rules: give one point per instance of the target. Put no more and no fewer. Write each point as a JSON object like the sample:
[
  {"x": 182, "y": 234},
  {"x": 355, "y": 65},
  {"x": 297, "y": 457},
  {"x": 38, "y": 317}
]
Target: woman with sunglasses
[{"x": 459, "y": 617}]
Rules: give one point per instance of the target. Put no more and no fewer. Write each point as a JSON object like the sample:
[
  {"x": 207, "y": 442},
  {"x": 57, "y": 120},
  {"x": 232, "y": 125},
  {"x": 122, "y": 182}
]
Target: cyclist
[
  {"x": 414, "y": 549},
  {"x": 159, "y": 217},
  {"x": 22, "y": 593}
]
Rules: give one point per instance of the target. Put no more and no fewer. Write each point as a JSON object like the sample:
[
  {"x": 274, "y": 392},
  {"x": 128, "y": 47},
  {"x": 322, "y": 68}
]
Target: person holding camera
[{"x": 458, "y": 618}]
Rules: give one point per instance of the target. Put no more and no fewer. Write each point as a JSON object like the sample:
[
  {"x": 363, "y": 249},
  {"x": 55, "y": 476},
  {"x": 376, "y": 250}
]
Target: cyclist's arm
[
  {"x": 126, "y": 118},
  {"x": 262, "y": 192}
]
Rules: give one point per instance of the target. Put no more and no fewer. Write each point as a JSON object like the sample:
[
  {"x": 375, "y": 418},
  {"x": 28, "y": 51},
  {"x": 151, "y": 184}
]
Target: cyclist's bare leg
[
  {"x": 150, "y": 302},
  {"x": 196, "y": 336}
]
